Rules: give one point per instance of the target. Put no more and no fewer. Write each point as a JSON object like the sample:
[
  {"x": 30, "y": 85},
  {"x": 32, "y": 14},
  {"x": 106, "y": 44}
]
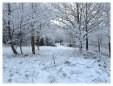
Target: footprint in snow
[
  {"x": 20, "y": 62},
  {"x": 4, "y": 67},
  {"x": 11, "y": 75},
  {"x": 67, "y": 62},
  {"x": 64, "y": 74},
  {"x": 9, "y": 80},
  {"x": 26, "y": 75},
  {"x": 51, "y": 79},
  {"x": 76, "y": 72}
]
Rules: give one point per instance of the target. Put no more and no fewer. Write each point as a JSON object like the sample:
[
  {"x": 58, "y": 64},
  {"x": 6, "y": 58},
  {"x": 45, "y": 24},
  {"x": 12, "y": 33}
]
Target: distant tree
[{"x": 80, "y": 20}]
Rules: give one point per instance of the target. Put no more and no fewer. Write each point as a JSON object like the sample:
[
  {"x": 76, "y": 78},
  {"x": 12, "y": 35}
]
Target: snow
[{"x": 54, "y": 65}]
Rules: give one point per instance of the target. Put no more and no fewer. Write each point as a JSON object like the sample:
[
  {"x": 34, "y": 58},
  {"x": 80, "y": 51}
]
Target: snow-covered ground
[{"x": 54, "y": 65}]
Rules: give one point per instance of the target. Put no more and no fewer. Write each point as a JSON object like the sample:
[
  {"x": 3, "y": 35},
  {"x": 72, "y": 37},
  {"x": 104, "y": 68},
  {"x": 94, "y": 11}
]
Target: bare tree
[
  {"x": 32, "y": 33},
  {"x": 10, "y": 31},
  {"x": 72, "y": 18},
  {"x": 21, "y": 32}
]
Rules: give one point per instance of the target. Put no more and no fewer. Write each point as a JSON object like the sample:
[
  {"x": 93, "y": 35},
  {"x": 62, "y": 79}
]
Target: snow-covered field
[{"x": 54, "y": 65}]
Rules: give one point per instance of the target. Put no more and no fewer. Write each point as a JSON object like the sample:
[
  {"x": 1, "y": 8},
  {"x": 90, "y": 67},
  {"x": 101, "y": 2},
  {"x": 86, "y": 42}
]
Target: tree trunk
[
  {"x": 13, "y": 49},
  {"x": 80, "y": 47},
  {"x": 21, "y": 46},
  {"x": 109, "y": 46},
  {"x": 87, "y": 42},
  {"x": 98, "y": 45},
  {"x": 37, "y": 42},
  {"x": 9, "y": 31},
  {"x": 4, "y": 41},
  {"x": 86, "y": 26},
  {"x": 33, "y": 45}
]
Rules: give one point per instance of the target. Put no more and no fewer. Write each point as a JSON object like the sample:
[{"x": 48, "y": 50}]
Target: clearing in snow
[{"x": 54, "y": 65}]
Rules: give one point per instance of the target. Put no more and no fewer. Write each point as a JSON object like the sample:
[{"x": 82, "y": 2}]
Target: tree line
[{"x": 24, "y": 22}]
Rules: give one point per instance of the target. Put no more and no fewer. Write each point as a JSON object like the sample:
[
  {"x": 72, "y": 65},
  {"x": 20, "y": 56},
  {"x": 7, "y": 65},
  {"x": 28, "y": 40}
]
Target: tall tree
[
  {"x": 32, "y": 33},
  {"x": 86, "y": 23},
  {"x": 10, "y": 31}
]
